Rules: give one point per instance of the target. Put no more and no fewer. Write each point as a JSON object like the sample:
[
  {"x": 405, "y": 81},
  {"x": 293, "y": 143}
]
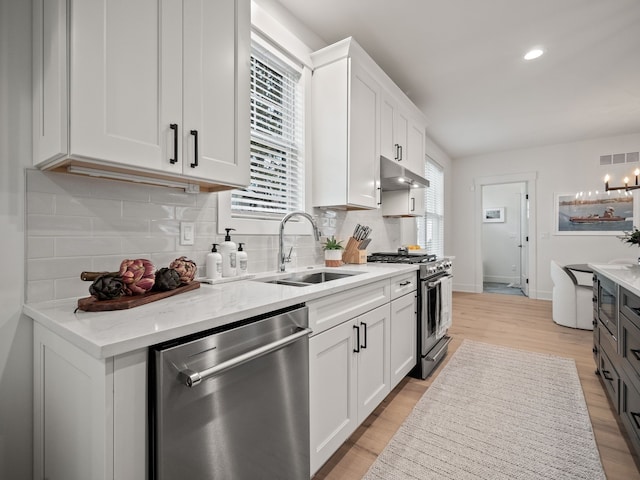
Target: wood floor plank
[{"x": 511, "y": 321}]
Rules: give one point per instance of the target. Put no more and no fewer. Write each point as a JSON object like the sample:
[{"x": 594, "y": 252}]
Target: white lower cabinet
[
  {"x": 356, "y": 360},
  {"x": 90, "y": 415},
  {"x": 348, "y": 378},
  {"x": 404, "y": 326}
]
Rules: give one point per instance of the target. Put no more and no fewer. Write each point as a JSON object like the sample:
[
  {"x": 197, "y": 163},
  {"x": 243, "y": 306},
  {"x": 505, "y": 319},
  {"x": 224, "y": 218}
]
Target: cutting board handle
[{"x": 91, "y": 276}]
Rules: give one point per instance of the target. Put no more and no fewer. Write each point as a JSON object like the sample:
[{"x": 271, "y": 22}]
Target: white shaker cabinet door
[
  {"x": 332, "y": 391},
  {"x": 415, "y": 154},
  {"x": 216, "y": 90},
  {"x": 403, "y": 337},
  {"x": 364, "y": 161},
  {"x": 125, "y": 80},
  {"x": 373, "y": 359}
]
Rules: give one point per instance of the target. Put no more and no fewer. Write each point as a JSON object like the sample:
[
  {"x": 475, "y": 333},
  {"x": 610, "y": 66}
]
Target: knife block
[{"x": 352, "y": 252}]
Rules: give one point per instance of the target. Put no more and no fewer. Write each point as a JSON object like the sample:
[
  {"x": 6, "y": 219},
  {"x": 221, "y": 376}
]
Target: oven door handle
[{"x": 438, "y": 281}]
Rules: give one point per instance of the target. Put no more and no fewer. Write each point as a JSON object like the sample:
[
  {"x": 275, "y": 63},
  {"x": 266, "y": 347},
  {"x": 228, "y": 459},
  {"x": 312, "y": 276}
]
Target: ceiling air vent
[{"x": 618, "y": 158}]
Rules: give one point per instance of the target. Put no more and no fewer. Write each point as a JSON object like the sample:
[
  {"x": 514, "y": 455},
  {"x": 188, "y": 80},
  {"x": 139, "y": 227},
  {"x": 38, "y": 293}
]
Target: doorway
[{"x": 505, "y": 208}]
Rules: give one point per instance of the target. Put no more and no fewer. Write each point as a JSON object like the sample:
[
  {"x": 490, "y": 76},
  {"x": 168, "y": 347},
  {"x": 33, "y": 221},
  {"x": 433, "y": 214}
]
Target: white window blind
[
  {"x": 277, "y": 164},
  {"x": 431, "y": 225}
]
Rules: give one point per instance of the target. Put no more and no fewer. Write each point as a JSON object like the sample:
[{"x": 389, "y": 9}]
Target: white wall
[
  {"x": 16, "y": 351},
  {"x": 500, "y": 240},
  {"x": 565, "y": 168}
]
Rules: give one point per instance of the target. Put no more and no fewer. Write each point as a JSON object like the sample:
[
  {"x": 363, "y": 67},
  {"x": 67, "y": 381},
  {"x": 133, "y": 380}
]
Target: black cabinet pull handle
[
  {"x": 357, "y": 349},
  {"x": 195, "y": 148},
  {"x": 413, "y": 204},
  {"x": 174, "y": 127},
  {"x": 635, "y": 416},
  {"x": 607, "y": 375},
  {"x": 397, "y": 157},
  {"x": 594, "y": 350},
  {"x": 400, "y": 147},
  {"x": 636, "y": 353},
  {"x": 365, "y": 335}
]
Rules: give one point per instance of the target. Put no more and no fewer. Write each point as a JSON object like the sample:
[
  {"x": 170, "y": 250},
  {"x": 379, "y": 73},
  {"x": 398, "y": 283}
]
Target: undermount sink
[{"x": 306, "y": 279}]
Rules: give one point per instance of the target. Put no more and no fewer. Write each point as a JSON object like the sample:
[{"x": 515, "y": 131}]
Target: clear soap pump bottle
[{"x": 214, "y": 263}]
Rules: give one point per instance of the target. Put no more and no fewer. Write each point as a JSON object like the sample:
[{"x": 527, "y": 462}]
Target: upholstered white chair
[{"x": 572, "y": 303}]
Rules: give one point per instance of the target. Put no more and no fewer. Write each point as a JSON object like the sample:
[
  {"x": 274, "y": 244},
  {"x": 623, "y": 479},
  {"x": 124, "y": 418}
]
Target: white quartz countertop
[
  {"x": 626, "y": 275},
  {"x": 106, "y": 334}
]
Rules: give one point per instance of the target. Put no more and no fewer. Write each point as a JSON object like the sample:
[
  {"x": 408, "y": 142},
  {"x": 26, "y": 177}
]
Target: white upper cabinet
[
  {"x": 401, "y": 136},
  {"x": 403, "y": 203},
  {"x": 159, "y": 88},
  {"x": 346, "y": 122}
]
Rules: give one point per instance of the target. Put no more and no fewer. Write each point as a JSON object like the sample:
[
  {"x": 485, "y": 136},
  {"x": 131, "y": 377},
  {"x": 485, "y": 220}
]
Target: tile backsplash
[{"x": 81, "y": 223}]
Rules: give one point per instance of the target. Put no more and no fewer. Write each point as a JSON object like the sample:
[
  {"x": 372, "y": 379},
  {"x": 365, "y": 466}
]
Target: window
[
  {"x": 277, "y": 150},
  {"x": 431, "y": 226}
]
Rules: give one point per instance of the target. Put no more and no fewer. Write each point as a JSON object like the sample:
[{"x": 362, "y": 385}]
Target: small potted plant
[
  {"x": 332, "y": 252},
  {"x": 632, "y": 238}
]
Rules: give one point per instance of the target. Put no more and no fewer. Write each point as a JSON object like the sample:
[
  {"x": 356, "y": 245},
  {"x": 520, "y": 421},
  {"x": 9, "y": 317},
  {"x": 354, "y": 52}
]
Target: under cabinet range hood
[{"x": 394, "y": 176}]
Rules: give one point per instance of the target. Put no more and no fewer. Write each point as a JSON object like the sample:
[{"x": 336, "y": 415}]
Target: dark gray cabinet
[{"x": 616, "y": 350}]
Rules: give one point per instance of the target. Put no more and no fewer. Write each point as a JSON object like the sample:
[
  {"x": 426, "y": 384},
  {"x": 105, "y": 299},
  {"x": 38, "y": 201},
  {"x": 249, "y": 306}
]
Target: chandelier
[{"x": 626, "y": 183}]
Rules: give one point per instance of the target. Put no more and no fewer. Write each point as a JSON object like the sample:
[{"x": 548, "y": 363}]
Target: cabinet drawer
[
  {"x": 630, "y": 410},
  {"x": 630, "y": 306},
  {"x": 610, "y": 378},
  {"x": 630, "y": 347},
  {"x": 334, "y": 309},
  {"x": 403, "y": 284}
]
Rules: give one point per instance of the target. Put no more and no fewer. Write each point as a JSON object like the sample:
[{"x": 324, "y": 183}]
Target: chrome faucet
[{"x": 281, "y": 257}]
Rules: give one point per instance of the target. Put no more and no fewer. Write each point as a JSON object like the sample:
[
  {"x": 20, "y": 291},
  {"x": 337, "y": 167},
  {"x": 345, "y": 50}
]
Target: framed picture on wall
[
  {"x": 610, "y": 213},
  {"x": 493, "y": 215}
]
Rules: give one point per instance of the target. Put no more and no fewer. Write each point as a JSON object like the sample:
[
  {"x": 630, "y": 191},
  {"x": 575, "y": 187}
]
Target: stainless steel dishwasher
[{"x": 233, "y": 403}]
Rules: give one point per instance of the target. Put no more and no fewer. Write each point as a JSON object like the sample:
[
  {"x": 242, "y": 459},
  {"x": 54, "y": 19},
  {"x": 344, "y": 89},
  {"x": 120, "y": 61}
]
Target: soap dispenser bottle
[
  {"x": 228, "y": 250},
  {"x": 214, "y": 263},
  {"x": 241, "y": 258}
]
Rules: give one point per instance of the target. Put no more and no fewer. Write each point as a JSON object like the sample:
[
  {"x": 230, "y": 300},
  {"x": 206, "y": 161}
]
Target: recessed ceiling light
[{"x": 533, "y": 53}]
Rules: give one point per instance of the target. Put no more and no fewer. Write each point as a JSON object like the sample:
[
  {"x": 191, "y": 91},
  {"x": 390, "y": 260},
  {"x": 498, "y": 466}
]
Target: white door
[
  {"x": 216, "y": 90},
  {"x": 524, "y": 242},
  {"x": 332, "y": 391},
  {"x": 373, "y": 359},
  {"x": 116, "y": 74}
]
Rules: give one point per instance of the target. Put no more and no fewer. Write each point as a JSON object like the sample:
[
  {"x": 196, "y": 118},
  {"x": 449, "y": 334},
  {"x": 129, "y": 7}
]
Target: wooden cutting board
[{"x": 92, "y": 304}]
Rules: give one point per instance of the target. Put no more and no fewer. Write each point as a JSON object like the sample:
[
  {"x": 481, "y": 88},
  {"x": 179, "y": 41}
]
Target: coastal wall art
[
  {"x": 493, "y": 215},
  {"x": 610, "y": 213}
]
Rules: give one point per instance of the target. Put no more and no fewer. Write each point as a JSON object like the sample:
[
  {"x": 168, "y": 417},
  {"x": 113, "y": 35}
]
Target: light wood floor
[{"x": 507, "y": 320}]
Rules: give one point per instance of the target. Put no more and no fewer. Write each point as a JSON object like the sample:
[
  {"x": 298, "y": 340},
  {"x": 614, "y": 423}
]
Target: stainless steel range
[{"x": 434, "y": 305}]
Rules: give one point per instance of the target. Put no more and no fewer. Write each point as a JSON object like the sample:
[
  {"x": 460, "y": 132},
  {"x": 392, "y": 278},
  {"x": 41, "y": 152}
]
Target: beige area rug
[{"x": 496, "y": 413}]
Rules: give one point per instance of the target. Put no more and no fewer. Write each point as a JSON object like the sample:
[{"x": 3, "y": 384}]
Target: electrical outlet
[{"x": 187, "y": 233}]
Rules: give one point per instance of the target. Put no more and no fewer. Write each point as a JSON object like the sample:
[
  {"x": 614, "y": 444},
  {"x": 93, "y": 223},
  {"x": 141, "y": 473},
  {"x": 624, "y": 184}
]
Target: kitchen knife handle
[
  {"x": 195, "y": 148},
  {"x": 174, "y": 127}
]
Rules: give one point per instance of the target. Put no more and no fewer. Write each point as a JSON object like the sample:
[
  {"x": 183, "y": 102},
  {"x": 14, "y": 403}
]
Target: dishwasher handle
[{"x": 191, "y": 378}]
